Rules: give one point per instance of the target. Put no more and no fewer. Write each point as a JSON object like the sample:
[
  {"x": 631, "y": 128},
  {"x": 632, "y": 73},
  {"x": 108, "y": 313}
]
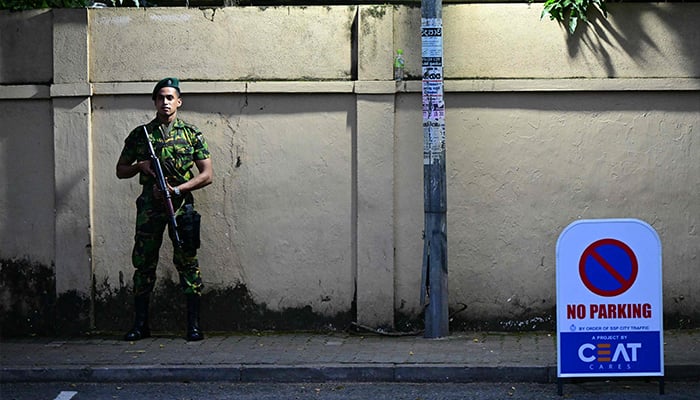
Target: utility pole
[{"x": 434, "y": 287}]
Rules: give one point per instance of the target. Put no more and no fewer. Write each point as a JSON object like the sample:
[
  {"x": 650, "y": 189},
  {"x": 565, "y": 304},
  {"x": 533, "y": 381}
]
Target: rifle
[{"x": 163, "y": 186}]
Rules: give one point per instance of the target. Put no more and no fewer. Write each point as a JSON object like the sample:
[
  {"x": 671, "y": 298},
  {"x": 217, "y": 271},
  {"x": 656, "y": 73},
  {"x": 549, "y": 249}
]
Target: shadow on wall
[
  {"x": 27, "y": 282},
  {"x": 629, "y": 36},
  {"x": 26, "y": 47}
]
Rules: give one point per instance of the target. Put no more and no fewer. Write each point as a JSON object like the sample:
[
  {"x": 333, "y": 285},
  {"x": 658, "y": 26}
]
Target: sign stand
[{"x": 609, "y": 302}]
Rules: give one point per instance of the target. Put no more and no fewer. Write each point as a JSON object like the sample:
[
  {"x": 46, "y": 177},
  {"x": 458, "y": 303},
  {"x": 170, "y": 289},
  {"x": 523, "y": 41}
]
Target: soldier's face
[{"x": 167, "y": 102}]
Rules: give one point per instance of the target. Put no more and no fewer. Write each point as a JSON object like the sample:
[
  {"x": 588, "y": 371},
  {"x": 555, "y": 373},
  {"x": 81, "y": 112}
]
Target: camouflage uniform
[{"x": 177, "y": 146}]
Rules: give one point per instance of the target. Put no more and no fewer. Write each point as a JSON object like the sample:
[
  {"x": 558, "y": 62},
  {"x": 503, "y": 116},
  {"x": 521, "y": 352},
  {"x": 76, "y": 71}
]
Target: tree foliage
[
  {"x": 20, "y": 5},
  {"x": 570, "y": 12}
]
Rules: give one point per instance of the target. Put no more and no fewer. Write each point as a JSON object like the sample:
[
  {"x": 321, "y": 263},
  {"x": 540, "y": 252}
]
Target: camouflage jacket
[{"x": 177, "y": 149}]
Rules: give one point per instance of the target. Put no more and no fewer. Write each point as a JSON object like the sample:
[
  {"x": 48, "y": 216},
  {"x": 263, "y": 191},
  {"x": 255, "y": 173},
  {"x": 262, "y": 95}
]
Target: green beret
[{"x": 166, "y": 82}]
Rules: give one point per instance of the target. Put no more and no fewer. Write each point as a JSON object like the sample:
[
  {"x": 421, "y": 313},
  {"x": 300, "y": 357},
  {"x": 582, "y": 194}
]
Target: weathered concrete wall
[
  {"x": 315, "y": 215},
  {"x": 276, "y": 219},
  {"x": 27, "y": 275},
  {"x": 222, "y": 44},
  {"x": 647, "y": 40},
  {"x": 26, "y": 47},
  {"x": 523, "y": 166}
]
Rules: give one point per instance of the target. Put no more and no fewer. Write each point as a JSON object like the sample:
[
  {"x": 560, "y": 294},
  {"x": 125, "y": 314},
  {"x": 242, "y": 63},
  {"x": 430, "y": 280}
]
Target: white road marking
[{"x": 65, "y": 395}]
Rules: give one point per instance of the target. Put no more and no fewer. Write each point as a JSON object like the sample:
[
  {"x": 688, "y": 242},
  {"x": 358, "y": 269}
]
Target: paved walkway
[{"x": 297, "y": 357}]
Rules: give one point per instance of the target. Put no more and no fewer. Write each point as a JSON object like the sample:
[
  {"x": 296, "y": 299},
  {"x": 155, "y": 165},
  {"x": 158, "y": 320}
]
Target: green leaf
[
  {"x": 573, "y": 21},
  {"x": 569, "y": 12}
]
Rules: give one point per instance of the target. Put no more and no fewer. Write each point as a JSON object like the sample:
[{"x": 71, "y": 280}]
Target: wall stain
[
  {"x": 73, "y": 315},
  {"x": 29, "y": 306},
  {"x": 225, "y": 310},
  {"x": 460, "y": 322},
  {"x": 28, "y": 294},
  {"x": 527, "y": 321}
]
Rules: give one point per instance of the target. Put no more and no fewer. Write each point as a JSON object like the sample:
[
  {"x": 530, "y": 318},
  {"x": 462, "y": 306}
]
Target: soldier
[{"x": 178, "y": 146}]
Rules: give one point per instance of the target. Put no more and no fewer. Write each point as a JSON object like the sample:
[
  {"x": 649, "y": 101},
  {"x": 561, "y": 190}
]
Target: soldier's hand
[
  {"x": 145, "y": 167},
  {"x": 171, "y": 189}
]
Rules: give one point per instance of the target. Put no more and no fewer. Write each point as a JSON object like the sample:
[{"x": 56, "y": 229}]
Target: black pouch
[{"x": 188, "y": 224}]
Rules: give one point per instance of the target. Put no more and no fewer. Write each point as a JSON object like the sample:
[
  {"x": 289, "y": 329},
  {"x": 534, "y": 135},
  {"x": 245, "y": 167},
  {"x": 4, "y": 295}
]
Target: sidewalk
[{"x": 299, "y": 357}]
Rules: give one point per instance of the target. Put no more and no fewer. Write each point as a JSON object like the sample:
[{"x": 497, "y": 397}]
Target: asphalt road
[{"x": 590, "y": 390}]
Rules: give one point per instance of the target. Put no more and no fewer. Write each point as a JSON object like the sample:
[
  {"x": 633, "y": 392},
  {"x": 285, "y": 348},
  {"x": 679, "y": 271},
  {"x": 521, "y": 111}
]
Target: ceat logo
[{"x": 602, "y": 352}]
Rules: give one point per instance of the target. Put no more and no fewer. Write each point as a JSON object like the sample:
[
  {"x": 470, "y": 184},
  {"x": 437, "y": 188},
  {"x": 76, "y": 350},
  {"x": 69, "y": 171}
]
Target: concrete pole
[{"x": 434, "y": 290}]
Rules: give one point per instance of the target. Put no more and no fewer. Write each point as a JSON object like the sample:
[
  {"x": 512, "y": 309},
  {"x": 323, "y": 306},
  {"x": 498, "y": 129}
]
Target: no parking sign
[{"x": 609, "y": 304}]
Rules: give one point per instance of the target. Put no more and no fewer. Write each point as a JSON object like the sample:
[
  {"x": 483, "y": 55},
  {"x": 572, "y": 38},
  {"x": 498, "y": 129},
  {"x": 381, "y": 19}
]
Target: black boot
[
  {"x": 140, "y": 329},
  {"x": 193, "y": 332}
]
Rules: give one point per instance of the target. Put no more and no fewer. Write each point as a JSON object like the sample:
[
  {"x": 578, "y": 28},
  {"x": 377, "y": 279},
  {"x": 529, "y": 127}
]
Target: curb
[
  {"x": 418, "y": 373},
  {"x": 437, "y": 373}
]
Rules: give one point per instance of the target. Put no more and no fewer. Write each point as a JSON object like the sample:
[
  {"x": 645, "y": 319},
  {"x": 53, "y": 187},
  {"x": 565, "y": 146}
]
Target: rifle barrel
[{"x": 163, "y": 186}]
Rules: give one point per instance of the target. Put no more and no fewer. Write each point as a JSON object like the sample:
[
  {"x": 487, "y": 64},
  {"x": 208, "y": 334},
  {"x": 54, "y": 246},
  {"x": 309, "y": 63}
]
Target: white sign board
[
  {"x": 609, "y": 304},
  {"x": 433, "y": 95}
]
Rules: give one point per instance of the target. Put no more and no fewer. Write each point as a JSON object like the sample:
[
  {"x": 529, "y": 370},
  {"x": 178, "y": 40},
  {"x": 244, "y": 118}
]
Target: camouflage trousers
[{"x": 151, "y": 221}]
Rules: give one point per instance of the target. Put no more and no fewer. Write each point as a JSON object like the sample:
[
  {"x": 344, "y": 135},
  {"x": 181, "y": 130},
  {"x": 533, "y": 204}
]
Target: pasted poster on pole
[
  {"x": 609, "y": 302},
  {"x": 433, "y": 101}
]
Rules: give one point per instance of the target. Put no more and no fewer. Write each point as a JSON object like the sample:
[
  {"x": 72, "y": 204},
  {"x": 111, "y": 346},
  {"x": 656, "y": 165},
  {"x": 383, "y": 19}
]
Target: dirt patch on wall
[
  {"x": 28, "y": 298},
  {"x": 230, "y": 309},
  {"x": 29, "y": 305}
]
